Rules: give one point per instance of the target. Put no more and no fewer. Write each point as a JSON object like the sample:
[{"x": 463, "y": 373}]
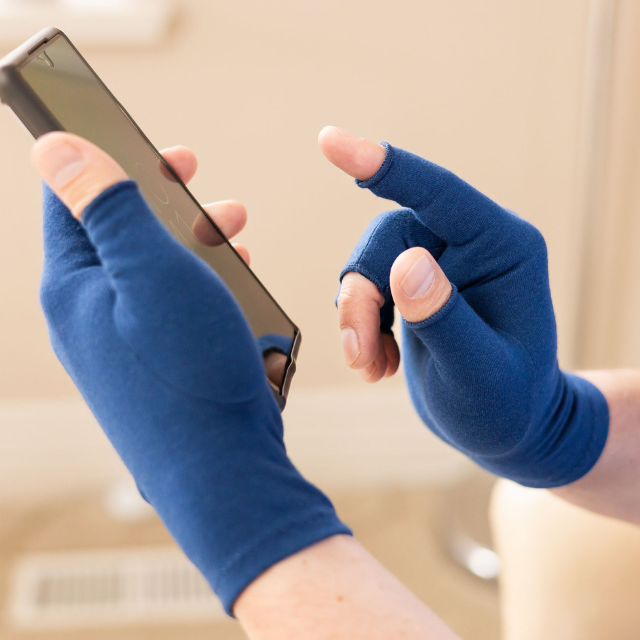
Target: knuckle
[
  {"x": 63, "y": 298},
  {"x": 397, "y": 216},
  {"x": 345, "y": 297},
  {"x": 533, "y": 240},
  {"x": 358, "y": 312},
  {"x": 49, "y": 299},
  {"x": 393, "y": 224},
  {"x": 346, "y": 306},
  {"x": 357, "y": 289}
]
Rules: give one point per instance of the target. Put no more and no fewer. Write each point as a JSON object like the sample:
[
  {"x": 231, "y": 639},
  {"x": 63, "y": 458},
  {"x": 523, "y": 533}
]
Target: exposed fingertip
[
  {"x": 183, "y": 161},
  {"x": 58, "y": 159},
  {"x": 359, "y": 305},
  {"x": 237, "y": 211},
  {"x": 77, "y": 170},
  {"x": 419, "y": 278},
  {"x": 330, "y": 131},
  {"x": 418, "y": 285},
  {"x": 376, "y": 369},
  {"x": 350, "y": 346},
  {"x": 358, "y": 157},
  {"x": 244, "y": 252},
  {"x": 373, "y": 373},
  {"x": 229, "y": 216}
]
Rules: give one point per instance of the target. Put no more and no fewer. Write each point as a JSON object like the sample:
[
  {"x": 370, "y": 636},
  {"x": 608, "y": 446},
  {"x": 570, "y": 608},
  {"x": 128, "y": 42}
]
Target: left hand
[
  {"x": 78, "y": 191},
  {"x": 165, "y": 359}
]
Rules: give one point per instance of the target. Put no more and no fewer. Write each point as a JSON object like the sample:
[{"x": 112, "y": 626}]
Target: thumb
[
  {"x": 418, "y": 285},
  {"x": 76, "y": 170},
  {"x": 130, "y": 241},
  {"x": 358, "y": 157}
]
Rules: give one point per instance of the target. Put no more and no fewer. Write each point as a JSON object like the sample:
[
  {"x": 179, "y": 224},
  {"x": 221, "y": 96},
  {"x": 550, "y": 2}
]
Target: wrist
[{"x": 231, "y": 497}]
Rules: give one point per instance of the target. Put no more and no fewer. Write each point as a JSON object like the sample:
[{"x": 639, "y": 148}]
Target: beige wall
[
  {"x": 490, "y": 89},
  {"x": 567, "y": 573},
  {"x": 610, "y": 315}
]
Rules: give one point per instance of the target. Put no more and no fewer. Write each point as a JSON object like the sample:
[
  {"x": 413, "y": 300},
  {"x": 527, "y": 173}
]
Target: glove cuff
[{"x": 275, "y": 545}]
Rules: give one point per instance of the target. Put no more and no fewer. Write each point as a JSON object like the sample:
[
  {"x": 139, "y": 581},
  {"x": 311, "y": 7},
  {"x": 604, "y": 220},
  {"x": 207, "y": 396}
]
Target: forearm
[
  {"x": 612, "y": 486},
  {"x": 334, "y": 590}
]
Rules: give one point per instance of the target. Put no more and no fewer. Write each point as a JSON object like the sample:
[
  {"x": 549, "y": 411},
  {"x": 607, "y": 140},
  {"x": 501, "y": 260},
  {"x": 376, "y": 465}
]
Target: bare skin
[
  {"x": 612, "y": 487},
  {"x": 77, "y": 186},
  {"x": 335, "y": 590}
]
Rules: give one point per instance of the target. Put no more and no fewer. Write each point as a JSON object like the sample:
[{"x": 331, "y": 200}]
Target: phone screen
[{"x": 80, "y": 102}]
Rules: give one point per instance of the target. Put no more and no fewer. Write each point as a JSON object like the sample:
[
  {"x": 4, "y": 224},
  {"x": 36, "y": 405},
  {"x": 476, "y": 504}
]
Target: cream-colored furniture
[{"x": 567, "y": 574}]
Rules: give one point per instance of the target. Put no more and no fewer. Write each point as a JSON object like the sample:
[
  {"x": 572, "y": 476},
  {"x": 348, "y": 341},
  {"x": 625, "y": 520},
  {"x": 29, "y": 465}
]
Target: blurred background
[{"x": 534, "y": 103}]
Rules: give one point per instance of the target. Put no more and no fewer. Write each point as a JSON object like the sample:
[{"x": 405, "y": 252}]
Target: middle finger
[{"x": 229, "y": 215}]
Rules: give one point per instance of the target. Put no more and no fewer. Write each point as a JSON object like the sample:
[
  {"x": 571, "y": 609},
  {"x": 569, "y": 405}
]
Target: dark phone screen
[{"x": 78, "y": 100}]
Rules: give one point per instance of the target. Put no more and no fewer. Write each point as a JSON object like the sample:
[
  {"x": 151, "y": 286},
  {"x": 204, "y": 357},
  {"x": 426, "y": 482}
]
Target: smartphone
[{"x": 49, "y": 86}]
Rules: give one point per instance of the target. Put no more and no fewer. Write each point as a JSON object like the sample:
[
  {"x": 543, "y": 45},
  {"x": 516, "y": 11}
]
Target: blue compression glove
[
  {"x": 164, "y": 358},
  {"x": 483, "y": 371}
]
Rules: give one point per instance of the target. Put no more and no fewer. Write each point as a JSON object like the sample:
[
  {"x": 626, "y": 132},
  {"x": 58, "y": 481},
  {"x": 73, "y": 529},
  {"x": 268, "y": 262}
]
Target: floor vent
[{"x": 109, "y": 588}]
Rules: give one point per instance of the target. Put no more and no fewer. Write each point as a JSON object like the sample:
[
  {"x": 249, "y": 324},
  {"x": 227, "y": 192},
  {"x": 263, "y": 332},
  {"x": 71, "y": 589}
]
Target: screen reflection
[{"x": 82, "y": 105}]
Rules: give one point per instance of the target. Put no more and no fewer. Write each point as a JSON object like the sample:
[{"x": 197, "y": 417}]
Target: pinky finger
[{"x": 243, "y": 251}]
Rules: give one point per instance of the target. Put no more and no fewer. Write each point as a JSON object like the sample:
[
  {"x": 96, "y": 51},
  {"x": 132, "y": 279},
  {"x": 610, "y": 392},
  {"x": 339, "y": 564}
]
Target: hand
[
  {"x": 77, "y": 189},
  {"x": 471, "y": 282},
  {"x": 166, "y": 361},
  {"x": 366, "y": 348}
]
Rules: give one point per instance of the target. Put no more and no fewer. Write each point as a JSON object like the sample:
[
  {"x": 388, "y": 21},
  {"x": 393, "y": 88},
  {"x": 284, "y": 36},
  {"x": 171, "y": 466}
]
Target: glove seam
[
  {"x": 442, "y": 312},
  {"x": 382, "y": 171},
  {"x": 109, "y": 193},
  {"x": 355, "y": 267}
]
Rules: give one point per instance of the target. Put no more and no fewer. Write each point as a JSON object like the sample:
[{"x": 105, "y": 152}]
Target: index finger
[
  {"x": 358, "y": 157},
  {"x": 359, "y": 303},
  {"x": 449, "y": 207}
]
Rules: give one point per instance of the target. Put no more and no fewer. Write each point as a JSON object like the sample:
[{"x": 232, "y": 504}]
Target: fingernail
[
  {"x": 344, "y": 132},
  {"x": 60, "y": 164},
  {"x": 350, "y": 345},
  {"x": 419, "y": 279}
]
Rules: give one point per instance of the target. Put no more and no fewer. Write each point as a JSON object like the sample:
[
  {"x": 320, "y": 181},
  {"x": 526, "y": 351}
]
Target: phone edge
[{"x": 27, "y": 106}]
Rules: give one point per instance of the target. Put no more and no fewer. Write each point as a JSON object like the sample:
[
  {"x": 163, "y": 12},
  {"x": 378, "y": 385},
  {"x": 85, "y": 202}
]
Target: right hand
[{"x": 471, "y": 282}]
